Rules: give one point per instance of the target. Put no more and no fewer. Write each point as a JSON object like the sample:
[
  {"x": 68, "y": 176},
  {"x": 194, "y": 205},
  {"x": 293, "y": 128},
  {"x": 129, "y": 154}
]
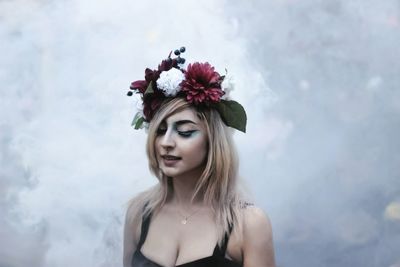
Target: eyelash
[
  {"x": 185, "y": 133},
  {"x": 181, "y": 133}
]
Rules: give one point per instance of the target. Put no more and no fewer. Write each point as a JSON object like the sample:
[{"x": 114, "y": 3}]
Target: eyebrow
[{"x": 181, "y": 122}]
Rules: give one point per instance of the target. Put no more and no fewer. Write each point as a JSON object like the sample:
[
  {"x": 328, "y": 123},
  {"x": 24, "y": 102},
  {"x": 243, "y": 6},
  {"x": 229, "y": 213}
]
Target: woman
[{"x": 195, "y": 215}]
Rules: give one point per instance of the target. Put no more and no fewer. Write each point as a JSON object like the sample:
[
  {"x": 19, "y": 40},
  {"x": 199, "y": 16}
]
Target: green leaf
[
  {"x": 233, "y": 114},
  {"x": 149, "y": 89},
  {"x": 137, "y": 121},
  {"x": 137, "y": 116}
]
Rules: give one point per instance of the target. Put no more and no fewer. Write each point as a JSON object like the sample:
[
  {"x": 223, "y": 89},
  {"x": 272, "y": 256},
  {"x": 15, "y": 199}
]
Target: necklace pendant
[{"x": 184, "y": 221}]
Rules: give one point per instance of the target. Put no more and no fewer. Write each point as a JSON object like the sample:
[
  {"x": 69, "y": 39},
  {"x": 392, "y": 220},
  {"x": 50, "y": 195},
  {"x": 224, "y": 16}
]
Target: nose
[{"x": 167, "y": 141}]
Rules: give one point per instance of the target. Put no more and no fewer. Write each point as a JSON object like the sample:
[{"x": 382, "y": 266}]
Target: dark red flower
[
  {"x": 153, "y": 75},
  {"x": 150, "y": 107},
  {"x": 139, "y": 85},
  {"x": 167, "y": 64},
  {"x": 152, "y": 101},
  {"x": 202, "y": 84}
]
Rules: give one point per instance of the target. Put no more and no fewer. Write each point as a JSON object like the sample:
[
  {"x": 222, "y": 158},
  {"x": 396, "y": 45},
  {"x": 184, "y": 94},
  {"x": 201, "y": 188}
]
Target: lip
[
  {"x": 170, "y": 160},
  {"x": 171, "y": 157}
]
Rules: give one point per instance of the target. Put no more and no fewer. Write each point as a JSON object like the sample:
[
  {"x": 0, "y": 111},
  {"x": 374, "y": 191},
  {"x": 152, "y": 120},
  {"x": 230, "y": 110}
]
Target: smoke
[
  {"x": 70, "y": 159},
  {"x": 331, "y": 175},
  {"x": 319, "y": 81}
]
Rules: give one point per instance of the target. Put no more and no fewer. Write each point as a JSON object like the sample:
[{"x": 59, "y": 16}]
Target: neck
[{"x": 184, "y": 188}]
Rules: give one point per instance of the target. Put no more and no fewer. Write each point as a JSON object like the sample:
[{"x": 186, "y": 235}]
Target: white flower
[
  {"x": 169, "y": 81},
  {"x": 138, "y": 103},
  {"x": 227, "y": 85}
]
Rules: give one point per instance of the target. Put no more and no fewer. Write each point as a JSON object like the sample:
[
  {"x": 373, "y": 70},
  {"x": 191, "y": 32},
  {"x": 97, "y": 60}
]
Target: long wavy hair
[{"x": 218, "y": 182}]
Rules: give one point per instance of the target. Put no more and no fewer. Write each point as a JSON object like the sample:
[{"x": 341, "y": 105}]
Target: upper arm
[
  {"x": 258, "y": 249},
  {"x": 131, "y": 235}
]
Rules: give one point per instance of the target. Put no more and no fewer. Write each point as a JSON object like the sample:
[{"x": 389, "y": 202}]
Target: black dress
[{"x": 217, "y": 259}]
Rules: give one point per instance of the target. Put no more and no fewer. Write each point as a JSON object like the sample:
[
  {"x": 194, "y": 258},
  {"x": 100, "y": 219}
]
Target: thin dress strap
[
  {"x": 144, "y": 229},
  {"x": 226, "y": 239}
]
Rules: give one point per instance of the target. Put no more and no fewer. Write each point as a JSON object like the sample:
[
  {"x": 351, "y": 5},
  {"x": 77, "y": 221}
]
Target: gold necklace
[{"x": 186, "y": 218}]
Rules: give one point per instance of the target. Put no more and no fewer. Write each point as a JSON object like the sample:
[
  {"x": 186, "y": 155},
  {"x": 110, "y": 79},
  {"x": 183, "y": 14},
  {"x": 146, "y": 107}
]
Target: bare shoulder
[
  {"x": 255, "y": 220},
  {"x": 258, "y": 249}
]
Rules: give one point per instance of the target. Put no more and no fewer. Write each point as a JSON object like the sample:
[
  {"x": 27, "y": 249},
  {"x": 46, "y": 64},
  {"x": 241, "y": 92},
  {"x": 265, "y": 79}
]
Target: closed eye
[{"x": 186, "y": 133}]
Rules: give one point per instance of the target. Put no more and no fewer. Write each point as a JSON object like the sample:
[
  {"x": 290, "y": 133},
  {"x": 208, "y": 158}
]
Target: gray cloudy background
[{"x": 319, "y": 81}]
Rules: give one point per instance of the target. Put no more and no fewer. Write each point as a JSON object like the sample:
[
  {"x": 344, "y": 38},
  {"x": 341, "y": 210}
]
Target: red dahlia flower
[{"x": 202, "y": 84}]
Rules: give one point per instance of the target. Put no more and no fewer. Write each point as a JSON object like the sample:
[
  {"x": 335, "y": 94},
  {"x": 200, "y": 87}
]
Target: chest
[{"x": 172, "y": 243}]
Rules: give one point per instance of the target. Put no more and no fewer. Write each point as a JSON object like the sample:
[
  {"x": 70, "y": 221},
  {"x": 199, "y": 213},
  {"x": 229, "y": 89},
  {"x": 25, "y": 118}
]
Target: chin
[
  {"x": 176, "y": 173},
  {"x": 170, "y": 173},
  {"x": 173, "y": 172}
]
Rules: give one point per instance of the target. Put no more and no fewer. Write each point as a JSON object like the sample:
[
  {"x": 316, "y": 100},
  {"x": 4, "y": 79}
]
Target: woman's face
[{"x": 181, "y": 144}]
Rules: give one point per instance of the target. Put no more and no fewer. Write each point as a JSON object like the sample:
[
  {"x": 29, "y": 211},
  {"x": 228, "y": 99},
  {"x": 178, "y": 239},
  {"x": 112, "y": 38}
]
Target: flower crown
[{"x": 199, "y": 84}]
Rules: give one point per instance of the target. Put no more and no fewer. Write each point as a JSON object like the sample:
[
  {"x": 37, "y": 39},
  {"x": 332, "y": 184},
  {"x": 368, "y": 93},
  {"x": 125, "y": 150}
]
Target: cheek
[
  {"x": 194, "y": 149},
  {"x": 201, "y": 150},
  {"x": 157, "y": 143}
]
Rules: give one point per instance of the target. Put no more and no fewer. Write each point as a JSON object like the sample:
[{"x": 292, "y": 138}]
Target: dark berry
[
  {"x": 182, "y": 60},
  {"x": 176, "y": 52},
  {"x": 130, "y": 93},
  {"x": 182, "y": 49}
]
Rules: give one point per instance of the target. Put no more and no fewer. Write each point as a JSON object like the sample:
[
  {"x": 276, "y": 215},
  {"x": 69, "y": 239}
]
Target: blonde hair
[{"x": 218, "y": 181}]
